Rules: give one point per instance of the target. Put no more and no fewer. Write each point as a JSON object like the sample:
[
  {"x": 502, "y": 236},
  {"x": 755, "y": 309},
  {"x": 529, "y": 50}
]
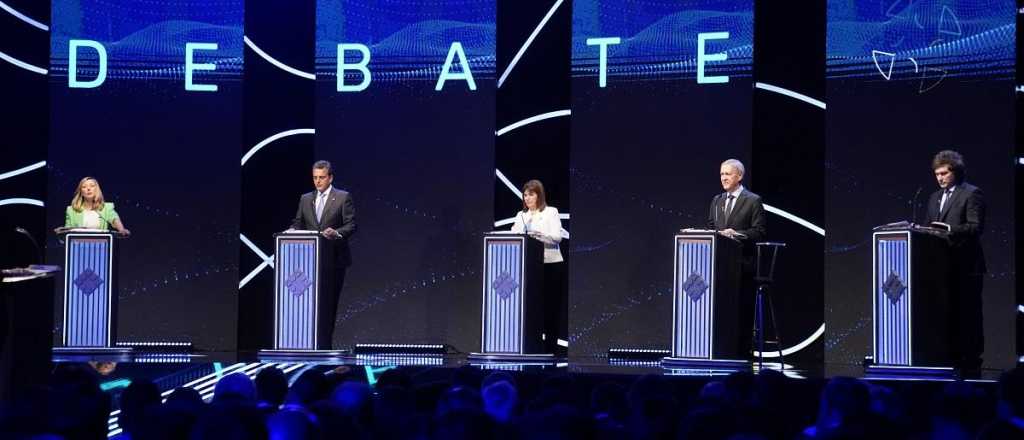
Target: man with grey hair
[{"x": 739, "y": 214}]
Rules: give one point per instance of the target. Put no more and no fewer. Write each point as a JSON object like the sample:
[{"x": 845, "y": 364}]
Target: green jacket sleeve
[
  {"x": 108, "y": 214},
  {"x": 71, "y": 218}
]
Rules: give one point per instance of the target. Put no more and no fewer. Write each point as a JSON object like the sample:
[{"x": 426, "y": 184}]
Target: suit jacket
[
  {"x": 339, "y": 213},
  {"x": 550, "y": 228},
  {"x": 74, "y": 219},
  {"x": 748, "y": 216},
  {"x": 964, "y": 212}
]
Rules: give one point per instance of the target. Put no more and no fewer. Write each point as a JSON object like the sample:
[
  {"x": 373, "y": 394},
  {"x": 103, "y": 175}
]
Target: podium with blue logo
[
  {"x": 89, "y": 319},
  {"x": 512, "y": 300},
  {"x": 910, "y": 303},
  {"x": 706, "y": 271},
  {"x": 301, "y": 259}
]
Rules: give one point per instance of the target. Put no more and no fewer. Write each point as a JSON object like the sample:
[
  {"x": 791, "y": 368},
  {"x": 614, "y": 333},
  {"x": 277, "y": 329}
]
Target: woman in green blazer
[{"x": 89, "y": 210}]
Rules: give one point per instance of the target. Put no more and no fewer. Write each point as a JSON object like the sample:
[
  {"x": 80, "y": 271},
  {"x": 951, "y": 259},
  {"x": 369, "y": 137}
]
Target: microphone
[
  {"x": 35, "y": 244},
  {"x": 913, "y": 218}
]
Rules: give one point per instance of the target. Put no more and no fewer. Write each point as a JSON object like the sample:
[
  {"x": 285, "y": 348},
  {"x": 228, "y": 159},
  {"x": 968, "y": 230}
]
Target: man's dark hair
[
  {"x": 324, "y": 165},
  {"x": 953, "y": 160}
]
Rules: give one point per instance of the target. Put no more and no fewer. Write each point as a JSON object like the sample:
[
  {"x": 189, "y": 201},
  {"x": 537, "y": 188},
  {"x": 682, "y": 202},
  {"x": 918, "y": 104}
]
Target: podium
[
  {"x": 26, "y": 329},
  {"x": 706, "y": 284},
  {"x": 301, "y": 262},
  {"x": 512, "y": 314},
  {"x": 910, "y": 299},
  {"x": 90, "y": 293}
]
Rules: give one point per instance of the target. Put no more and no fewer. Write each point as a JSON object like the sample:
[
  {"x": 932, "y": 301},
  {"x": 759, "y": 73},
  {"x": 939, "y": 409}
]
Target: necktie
[
  {"x": 320, "y": 206},
  {"x": 728, "y": 207},
  {"x": 945, "y": 197}
]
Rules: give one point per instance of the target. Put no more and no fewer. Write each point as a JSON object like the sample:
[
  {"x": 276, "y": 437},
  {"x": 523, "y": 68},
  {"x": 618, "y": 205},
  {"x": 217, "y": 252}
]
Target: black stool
[{"x": 767, "y": 254}]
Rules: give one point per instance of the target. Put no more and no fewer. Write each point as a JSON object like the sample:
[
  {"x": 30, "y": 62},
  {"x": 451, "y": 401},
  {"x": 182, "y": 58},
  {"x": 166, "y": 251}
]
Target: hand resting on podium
[
  {"x": 123, "y": 232},
  {"x": 732, "y": 233},
  {"x": 329, "y": 233}
]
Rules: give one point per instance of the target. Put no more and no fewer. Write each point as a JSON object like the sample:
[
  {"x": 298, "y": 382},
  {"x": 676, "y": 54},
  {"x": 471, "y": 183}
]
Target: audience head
[
  {"x": 500, "y": 401},
  {"x": 271, "y": 387},
  {"x": 235, "y": 387},
  {"x": 310, "y": 387}
]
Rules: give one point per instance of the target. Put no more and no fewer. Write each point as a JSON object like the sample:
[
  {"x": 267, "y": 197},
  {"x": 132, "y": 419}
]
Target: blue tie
[{"x": 320, "y": 206}]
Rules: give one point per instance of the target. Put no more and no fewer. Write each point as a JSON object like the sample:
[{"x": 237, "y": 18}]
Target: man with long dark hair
[{"x": 960, "y": 207}]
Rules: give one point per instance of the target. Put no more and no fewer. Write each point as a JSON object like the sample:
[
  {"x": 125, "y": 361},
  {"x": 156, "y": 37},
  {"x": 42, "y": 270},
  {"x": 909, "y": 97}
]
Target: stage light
[
  {"x": 637, "y": 353},
  {"x": 417, "y": 349}
]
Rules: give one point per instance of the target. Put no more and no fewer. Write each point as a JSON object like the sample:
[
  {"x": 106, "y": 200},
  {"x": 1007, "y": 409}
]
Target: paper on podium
[
  {"x": 698, "y": 230},
  {"x": 301, "y": 232},
  {"x": 65, "y": 230},
  {"x": 29, "y": 273},
  {"x": 507, "y": 232}
]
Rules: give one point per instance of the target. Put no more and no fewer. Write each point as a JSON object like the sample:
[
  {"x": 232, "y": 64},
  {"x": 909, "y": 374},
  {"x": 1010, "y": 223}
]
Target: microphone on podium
[
  {"x": 913, "y": 201},
  {"x": 35, "y": 244}
]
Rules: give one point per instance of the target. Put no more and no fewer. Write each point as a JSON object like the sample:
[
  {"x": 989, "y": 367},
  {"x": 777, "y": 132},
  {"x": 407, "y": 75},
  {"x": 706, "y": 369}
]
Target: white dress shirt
[
  {"x": 945, "y": 197},
  {"x": 547, "y": 228},
  {"x": 91, "y": 219}
]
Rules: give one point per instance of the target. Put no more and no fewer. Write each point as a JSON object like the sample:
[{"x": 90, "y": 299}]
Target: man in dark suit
[
  {"x": 961, "y": 206},
  {"x": 738, "y": 213},
  {"x": 330, "y": 211}
]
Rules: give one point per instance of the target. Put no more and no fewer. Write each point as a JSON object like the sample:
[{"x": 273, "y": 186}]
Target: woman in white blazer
[{"x": 541, "y": 222}]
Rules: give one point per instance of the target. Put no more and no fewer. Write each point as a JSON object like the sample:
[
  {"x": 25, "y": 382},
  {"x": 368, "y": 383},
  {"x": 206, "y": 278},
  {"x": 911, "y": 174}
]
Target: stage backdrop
[
  {"x": 410, "y": 128},
  {"x": 650, "y": 127},
  {"x": 906, "y": 80},
  {"x": 151, "y": 106}
]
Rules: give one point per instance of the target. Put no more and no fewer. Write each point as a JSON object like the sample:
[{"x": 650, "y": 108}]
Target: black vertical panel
[
  {"x": 273, "y": 178},
  {"x": 537, "y": 84},
  {"x": 789, "y": 161},
  {"x": 1019, "y": 184},
  {"x": 24, "y": 122}
]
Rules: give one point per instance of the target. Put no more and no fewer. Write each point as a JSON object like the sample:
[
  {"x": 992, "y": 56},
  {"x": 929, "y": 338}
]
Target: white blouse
[
  {"x": 548, "y": 229},
  {"x": 91, "y": 219}
]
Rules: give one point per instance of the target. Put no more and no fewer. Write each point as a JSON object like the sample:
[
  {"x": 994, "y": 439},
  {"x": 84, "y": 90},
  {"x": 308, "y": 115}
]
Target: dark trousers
[
  {"x": 556, "y": 307},
  {"x": 329, "y": 308},
  {"x": 968, "y": 333}
]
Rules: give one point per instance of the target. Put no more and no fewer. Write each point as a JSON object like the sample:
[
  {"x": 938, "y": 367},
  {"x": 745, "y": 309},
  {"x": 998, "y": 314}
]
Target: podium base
[
  {"x": 517, "y": 358},
  {"x": 279, "y": 354},
  {"x": 710, "y": 364},
  {"x": 907, "y": 371}
]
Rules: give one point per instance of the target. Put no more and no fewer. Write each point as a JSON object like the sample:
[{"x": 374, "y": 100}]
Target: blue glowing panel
[
  {"x": 892, "y": 300},
  {"x": 922, "y": 41},
  {"x": 88, "y": 291},
  {"x": 402, "y": 41},
  {"x": 503, "y": 296},
  {"x": 137, "y": 40},
  {"x": 693, "y": 298},
  {"x": 295, "y": 294},
  {"x": 658, "y": 40}
]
